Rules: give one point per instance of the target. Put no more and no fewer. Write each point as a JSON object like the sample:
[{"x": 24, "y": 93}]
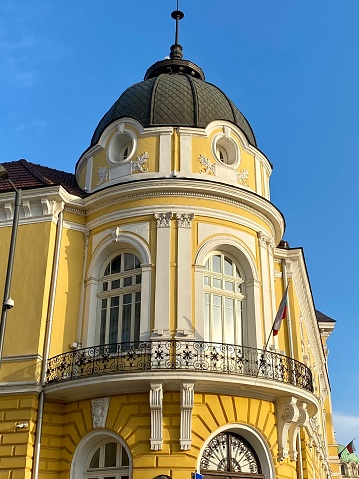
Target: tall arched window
[
  {"x": 108, "y": 460},
  {"x": 229, "y": 455},
  {"x": 120, "y": 300},
  {"x": 223, "y": 299}
]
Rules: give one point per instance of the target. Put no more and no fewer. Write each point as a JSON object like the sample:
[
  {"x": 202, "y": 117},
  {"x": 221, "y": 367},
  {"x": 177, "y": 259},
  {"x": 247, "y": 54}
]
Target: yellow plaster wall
[
  {"x": 151, "y": 146},
  {"x": 68, "y": 291},
  {"x": 99, "y": 161},
  {"x": 30, "y": 288},
  {"x": 129, "y": 416},
  {"x": 16, "y": 445},
  {"x": 81, "y": 177},
  {"x": 203, "y": 146}
]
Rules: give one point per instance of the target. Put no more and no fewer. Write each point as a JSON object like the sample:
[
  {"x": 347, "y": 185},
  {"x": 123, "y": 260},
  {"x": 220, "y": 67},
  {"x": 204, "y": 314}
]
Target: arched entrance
[{"x": 228, "y": 456}]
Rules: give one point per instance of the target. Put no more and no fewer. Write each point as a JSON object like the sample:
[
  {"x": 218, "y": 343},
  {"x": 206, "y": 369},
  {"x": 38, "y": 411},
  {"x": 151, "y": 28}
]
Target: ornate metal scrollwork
[{"x": 180, "y": 355}]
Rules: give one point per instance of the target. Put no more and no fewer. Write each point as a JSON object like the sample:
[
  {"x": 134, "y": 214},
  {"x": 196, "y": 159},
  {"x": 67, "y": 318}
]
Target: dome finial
[{"x": 176, "y": 49}]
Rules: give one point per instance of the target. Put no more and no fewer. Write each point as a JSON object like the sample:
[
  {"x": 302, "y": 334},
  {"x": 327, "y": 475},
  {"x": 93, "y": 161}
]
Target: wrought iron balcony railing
[{"x": 196, "y": 356}]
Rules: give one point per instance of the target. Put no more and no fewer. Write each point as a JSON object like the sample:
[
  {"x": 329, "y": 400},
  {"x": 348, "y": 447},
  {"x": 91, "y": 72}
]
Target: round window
[
  {"x": 121, "y": 148},
  {"x": 226, "y": 150}
]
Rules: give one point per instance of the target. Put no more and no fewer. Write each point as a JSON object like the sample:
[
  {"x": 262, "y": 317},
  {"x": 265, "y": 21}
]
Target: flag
[
  {"x": 350, "y": 447},
  {"x": 281, "y": 313}
]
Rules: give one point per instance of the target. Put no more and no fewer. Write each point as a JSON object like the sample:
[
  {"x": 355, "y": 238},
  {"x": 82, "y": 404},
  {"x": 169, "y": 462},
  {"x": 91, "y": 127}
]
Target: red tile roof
[{"x": 26, "y": 175}]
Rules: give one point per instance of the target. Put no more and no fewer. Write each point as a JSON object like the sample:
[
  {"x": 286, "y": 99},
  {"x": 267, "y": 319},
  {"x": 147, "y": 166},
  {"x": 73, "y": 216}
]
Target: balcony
[{"x": 195, "y": 357}]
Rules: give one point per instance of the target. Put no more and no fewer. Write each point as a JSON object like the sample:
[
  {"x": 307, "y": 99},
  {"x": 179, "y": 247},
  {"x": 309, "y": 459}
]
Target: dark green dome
[{"x": 175, "y": 98}]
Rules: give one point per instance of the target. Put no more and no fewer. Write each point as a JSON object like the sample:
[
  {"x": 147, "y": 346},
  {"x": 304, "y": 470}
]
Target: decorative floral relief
[
  {"x": 102, "y": 174},
  {"x": 184, "y": 219},
  {"x": 138, "y": 165},
  {"x": 243, "y": 177},
  {"x": 163, "y": 219},
  {"x": 208, "y": 167}
]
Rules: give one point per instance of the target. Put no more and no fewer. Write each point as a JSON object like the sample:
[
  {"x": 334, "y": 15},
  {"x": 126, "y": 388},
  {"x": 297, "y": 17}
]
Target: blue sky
[{"x": 290, "y": 66}]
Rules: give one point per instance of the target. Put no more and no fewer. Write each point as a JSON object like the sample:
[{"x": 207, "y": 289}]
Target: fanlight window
[
  {"x": 120, "y": 300},
  {"x": 223, "y": 299},
  {"x": 229, "y": 453},
  {"x": 109, "y": 461}
]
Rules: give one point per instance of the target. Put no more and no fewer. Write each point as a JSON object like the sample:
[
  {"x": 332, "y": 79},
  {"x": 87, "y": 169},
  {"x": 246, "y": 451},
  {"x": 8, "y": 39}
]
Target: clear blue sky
[{"x": 291, "y": 66}]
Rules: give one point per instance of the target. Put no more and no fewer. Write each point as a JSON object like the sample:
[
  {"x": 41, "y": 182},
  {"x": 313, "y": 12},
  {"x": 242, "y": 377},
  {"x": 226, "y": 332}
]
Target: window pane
[
  {"x": 103, "y": 325},
  {"x": 113, "y": 332},
  {"x": 107, "y": 270},
  {"x": 228, "y": 286},
  {"x": 115, "y": 284},
  {"x": 217, "y": 283},
  {"x": 127, "y": 281},
  {"x": 229, "y": 321},
  {"x": 206, "y": 316},
  {"x": 110, "y": 454},
  {"x": 126, "y": 320},
  {"x": 216, "y": 264},
  {"x": 137, "y": 321},
  {"x": 217, "y": 319},
  {"x": 105, "y": 286},
  {"x": 237, "y": 273},
  {"x": 124, "y": 458},
  {"x": 206, "y": 280},
  {"x": 138, "y": 279},
  {"x": 116, "y": 265},
  {"x": 228, "y": 270},
  {"x": 207, "y": 265},
  {"x": 137, "y": 262},
  {"x": 129, "y": 261},
  {"x": 95, "y": 461}
]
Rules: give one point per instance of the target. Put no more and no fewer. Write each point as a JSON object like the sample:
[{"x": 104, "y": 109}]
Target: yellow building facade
[{"x": 145, "y": 290}]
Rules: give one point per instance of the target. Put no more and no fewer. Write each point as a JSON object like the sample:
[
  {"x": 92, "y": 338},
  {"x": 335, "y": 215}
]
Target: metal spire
[{"x": 176, "y": 49}]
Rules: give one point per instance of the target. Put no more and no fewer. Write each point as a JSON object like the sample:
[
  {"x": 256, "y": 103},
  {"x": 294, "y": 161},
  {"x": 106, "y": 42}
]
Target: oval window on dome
[
  {"x": 121, "y": 148},
  {"x": 226, "y": 150}
]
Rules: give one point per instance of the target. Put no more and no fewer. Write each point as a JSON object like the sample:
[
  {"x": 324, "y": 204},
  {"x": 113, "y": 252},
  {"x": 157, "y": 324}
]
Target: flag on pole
[
  {"x": 350, "y": 447},
  {"x": 281, "y": 313}
]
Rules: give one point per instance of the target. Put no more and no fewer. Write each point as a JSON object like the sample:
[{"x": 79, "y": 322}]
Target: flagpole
[{"x": 270, "y": 333}]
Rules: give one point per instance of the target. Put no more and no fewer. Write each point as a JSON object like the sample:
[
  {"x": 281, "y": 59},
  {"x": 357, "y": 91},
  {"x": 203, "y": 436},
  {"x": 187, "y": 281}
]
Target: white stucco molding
[
  {"x": 110, "y": 245},
  {"x": 87, "y": 444},
  {"x": 197, "y": 189},
  {"x": 301, "y": 283},
  {"x": 99, "y": 411},
  {"x": 187, "y": 402},
  {"x": 294, "y": 429},
  {"x": 214, "y": 242},
  {"x": 288, "y": 414},
  {"x": 156, "y": 403}
]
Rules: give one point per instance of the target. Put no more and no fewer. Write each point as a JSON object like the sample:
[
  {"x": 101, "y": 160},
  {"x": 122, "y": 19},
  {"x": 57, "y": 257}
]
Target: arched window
[
  {"x": 120, "y": 300},
  {"x": 108, "y": 460},
  {"x": 223, "y": 299},
  {"x": 229, "y": 453}
]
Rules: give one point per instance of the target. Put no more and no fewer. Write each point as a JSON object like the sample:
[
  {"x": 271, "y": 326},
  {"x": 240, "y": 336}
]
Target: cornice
[
  {"x": 199, "y": 189},
  {"x": 198, "y": 211},
  {"x": 305, "y": 299}
]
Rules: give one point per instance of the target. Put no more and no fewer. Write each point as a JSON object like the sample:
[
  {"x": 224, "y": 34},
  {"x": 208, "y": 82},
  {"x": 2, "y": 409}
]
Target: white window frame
[
  {"x": 120, "y": 293},
  {"x": 111, "y": 245},
  {"x": 88, "y": 445},
  {"x": 252, "y": 325},
  {"x": 101, "y": 472},
  {"x": 239, "y": 310}
]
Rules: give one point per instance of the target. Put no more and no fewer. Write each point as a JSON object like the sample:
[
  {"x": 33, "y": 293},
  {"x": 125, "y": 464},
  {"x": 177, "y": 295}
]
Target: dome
[{"x": 174, "y": 97}]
